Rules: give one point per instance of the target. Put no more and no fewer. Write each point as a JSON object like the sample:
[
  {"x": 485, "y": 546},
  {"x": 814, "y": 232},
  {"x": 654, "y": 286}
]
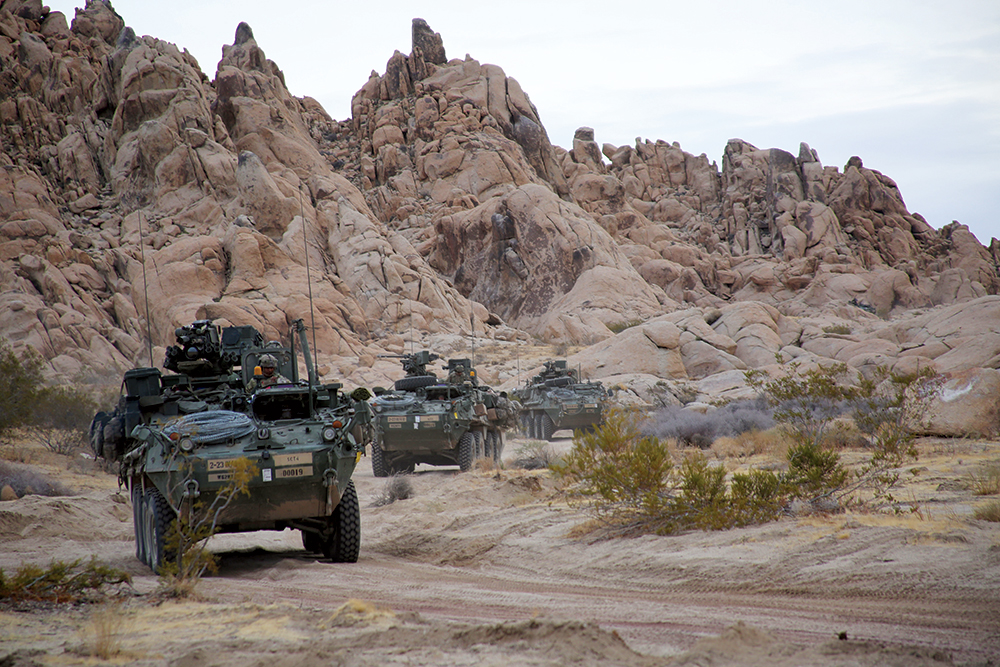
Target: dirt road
[{"x": 481, "y": 568}]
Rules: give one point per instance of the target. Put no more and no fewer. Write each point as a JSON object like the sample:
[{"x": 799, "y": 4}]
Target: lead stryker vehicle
[
  {"x": 439, "y": 422},
  {"x": 177, "y": 438},
  {"x": 555, "y": 399}
]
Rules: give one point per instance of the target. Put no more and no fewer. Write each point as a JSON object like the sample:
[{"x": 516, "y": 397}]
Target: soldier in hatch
[{"x": 268, "y": 374}]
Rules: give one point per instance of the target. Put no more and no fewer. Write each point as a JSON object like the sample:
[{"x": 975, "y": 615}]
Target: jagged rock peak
[
  {"x": 428, "y": 42},
  {"x": 244, "y": 33}
]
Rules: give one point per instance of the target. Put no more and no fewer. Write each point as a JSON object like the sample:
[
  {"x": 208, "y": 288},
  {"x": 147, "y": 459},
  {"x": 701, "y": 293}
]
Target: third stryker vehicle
[
  {"x": 178, "y": 438},
  {"x": 555, "y": 399},
  {"x": 439, "y": 422}
]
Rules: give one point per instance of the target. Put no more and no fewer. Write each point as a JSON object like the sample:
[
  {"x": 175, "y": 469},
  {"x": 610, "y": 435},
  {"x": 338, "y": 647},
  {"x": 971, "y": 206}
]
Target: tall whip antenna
[
  {"x": 145, "y": 288},
  {"x": 312, "y": 316},
  {"x": 472, "y": 324}
]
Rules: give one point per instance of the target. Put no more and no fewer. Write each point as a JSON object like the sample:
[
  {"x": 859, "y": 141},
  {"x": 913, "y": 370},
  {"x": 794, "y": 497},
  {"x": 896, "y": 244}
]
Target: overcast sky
[{"x": 910, "y": 86}]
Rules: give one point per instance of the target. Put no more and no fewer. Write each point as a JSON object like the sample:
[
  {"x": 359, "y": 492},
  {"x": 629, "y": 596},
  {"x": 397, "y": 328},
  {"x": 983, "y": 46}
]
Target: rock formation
[{"x": 134, "y": 184}]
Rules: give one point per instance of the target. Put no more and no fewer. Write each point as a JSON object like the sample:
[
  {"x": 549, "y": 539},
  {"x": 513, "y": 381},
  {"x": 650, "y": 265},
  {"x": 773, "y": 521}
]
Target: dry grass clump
[
  {"x": 357, "y": 612},
  {"x": 397, "y": 487},
  {"x": 772, "y": 442},
  {"x": 985, "y": 481},
  {"x": 534, "y": 455},
  {"x": 988, "y": 512},
  {"x": 109, "y": 626}
]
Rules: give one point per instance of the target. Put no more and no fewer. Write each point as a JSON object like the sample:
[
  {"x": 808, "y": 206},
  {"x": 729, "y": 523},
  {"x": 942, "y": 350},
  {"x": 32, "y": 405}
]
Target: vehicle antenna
[
  {"x": 411, "y": 326},
  {"x": 313, "y": 374},
  {"x": 472, "y": 324},
  {"x": 145, "y": 288}
]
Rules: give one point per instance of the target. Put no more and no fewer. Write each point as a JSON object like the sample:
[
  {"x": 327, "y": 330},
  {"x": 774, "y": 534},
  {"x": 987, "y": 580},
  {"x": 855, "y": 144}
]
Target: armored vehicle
[
  {"x": 439, "y": 422},
  {"x": 555, "y": 399},
  {"x": 178, "y": 437}
]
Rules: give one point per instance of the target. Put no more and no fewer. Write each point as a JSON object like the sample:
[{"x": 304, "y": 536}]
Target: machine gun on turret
[
  {"x": 203, "y": 349},
  {"x": 415, "y": 365}
]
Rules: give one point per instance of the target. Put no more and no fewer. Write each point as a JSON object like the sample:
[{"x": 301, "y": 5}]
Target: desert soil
[{"x": 495, "y": 568}]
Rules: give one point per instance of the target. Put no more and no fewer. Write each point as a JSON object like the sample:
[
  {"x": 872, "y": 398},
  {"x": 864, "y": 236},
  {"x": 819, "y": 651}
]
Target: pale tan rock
[{"x": 966, "y": 404}]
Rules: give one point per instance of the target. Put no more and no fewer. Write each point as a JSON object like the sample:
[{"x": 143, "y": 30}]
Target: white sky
[{"x": 910, "y": 86}]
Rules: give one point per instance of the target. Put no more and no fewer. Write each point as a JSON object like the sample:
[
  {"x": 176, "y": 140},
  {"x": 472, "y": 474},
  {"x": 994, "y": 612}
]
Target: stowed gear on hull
[
  {"x": 555, "y": 399},
  {"x": 177, "y": 438},
  {"x": 439, "y": 422}
]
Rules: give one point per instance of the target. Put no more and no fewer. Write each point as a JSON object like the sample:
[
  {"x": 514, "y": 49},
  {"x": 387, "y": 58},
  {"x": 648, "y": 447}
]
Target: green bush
[
  {"x": 59, "y": 582},
  {"x": 884, "y": 406},
  {"x": 20, "y": 382},
  {"x": 61, "y": 418},
  {"x": 630, "y": 481}
]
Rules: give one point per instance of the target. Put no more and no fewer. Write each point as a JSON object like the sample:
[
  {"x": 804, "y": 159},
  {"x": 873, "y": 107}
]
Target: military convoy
[
  {"x": 178, "y": 437},
  {"x": 439, "y": 422},
  {"x": 555, "y": 399}
]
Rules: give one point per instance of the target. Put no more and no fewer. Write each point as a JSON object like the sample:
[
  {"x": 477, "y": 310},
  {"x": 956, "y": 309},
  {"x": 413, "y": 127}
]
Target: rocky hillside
[{"x": 138, "y": 194}]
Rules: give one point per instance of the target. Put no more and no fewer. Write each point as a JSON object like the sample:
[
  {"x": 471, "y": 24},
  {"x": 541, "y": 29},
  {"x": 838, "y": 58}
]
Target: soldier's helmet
[{"x": 268, "y": 361}]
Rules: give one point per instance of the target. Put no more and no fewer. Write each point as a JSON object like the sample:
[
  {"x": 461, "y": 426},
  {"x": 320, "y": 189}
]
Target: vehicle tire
[
  {"x": 344, "y": 543},
  {"x": 379, "y": 467},
  {"x": 546, "y": 427},
  {"x": 480, "y": 446},
  {"x": 466, "y": 451},
  {"x": 536, "y": 434},
  {"x": 416, "y": 382},
  {"x": 158, "y": 517},
  {"x": 312, "y": 542},
  {"x": 138, "y": 510}
]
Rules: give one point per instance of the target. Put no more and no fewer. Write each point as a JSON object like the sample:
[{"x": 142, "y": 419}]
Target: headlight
[
  {"x": 263, "y": 433},
  {"x": 329, "y": 433},
  {"x": 186, "y": 445}
]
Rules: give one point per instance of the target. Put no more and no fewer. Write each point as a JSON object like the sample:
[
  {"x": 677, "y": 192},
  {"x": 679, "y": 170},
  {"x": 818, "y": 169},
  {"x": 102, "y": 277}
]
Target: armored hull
[
  {"x": 555, "y": 400},
  {"x": 180, "y": 439},
  {"x": 437, "y": 422}
]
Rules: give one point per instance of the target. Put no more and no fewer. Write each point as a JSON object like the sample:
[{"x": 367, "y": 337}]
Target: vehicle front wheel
[
  {"x": 158, "y": 515},
  {"x": 379, "y": 467},
  {"x": 547, "y": 427},
  {"x": 344, "y": 542},
  {"x": 466, "y": 451},
  {"x": 138, "y": 510}
]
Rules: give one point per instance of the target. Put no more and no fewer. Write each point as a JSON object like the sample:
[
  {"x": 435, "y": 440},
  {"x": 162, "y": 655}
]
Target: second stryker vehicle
[
  {"x": 179, "y": 438},
  {"x": 438, "y": 422},
  {"x": 555, "y": 399}
]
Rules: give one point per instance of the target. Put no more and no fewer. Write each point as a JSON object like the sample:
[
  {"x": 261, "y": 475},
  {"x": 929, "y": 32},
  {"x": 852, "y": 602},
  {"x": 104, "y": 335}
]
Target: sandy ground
[{"x": 484, "y": 568}]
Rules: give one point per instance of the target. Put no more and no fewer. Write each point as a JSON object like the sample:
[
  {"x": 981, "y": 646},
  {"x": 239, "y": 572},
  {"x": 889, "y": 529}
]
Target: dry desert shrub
[
  {"x": 397, "y": 487},
  {"x": 24, "y": 480},
  {"x": 534, "y": 455},
  {"x": 109, "y": 626},
  {"x": 771, "y": 442},
  {"x": 692, "y": 428},
  {"x": 988, "y": 512},
  {"x": 985, "y": 480}
]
